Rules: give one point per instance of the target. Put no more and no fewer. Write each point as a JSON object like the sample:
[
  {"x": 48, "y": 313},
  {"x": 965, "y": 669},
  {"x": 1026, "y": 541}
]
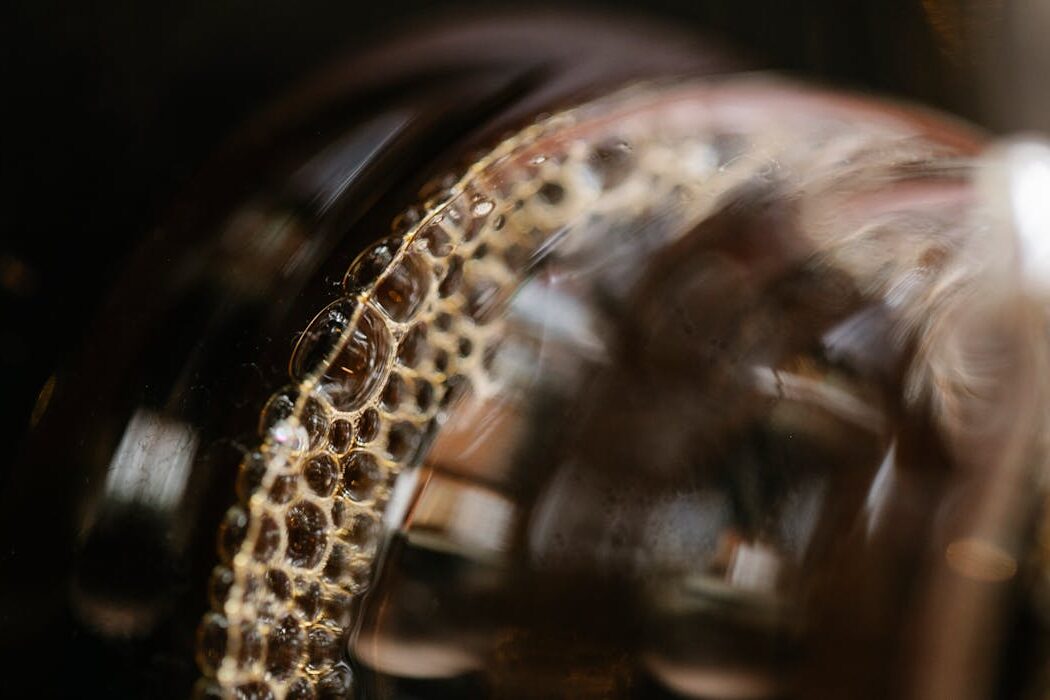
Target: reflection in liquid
[
  {"x": 590, "y": 329},
  {"x": 694, "y": 476},
  {"x": 152, "y": 463},
  {"x": 680, "y": 481},
  {"x": 143, "y": 494},
  {"x": 720, "y": 388}
]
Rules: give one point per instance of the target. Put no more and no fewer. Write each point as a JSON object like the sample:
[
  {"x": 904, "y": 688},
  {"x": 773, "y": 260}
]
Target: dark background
[{"x": 110, "y": 108}]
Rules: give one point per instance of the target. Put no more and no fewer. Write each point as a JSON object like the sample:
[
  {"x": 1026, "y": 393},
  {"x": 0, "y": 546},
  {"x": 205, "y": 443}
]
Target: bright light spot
[
  {"x": 1029, "y": 173},
  {"x": 152, "y": 463}
]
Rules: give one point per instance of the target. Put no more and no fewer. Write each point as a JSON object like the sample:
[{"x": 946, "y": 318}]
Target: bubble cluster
[
  {"x": 416, "y": 328},
  {"x": 371, "y": 373}
]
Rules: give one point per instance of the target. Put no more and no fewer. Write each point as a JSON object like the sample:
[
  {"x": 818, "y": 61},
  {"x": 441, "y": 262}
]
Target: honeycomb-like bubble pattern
[{"x": 376, "y": 369}]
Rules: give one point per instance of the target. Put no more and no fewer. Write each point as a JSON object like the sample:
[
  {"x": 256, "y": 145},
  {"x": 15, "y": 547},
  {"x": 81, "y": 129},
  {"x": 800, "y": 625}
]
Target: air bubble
[
  {"x": 438, "y": 190},
  {"x": 435, "y": 240},
  {"x": 335, "y": 608},
  {"x": 404, "y": 221},
  {"x": 338, "y": 513},
  {"x": 338, "y": 563},
  {"x": 424, "y": 396},
  {"x": 232, "y": 530},
  {"x": 250, "y": 475},
  {"x": 306, "y": 525},
  {"x": 268, "y": 540},
  {"x": 279, "y": 407},
  {"x": 212, "y": 635},
  {"x": 359, "y": 368},
  {"x": 453, "y": 277},
  {"x": 315, "y": 421},
  {"x": 289, "y": 434},
  {"x": 370, "y": 264},
  {"x": 322, "y": 649},
  {"x": 359, "y": 573},
  {"x": 410, "y": 350},
  {"x": 403, "y": 289},
  {"x": 362, "y": 533},
  {"x": 402, "y": 441},
  {"x": 611, "y": 163},
  {"x": 340, "y": 435},
  {"x": 319, "y": 340},
  {"x": 320, "y": 475},
  {"x": 480, "y": 206},
  {"x": 265, "y": 611},
  {"x": 361, "y": 476},
  {"x": 475, "y": 222},
  {"x": 279, "y": 583},
  {"x": 393, "y": 392},
  {"x": 551, "y": 193},
  {"x": 441, "y": 360},
  {"x": 251, "y": 584},
  {"x": 335, "y": 684},
  {"x": 284, "y": 647},
  {"x": 457, "y": 387},
  {"x": 284, "y": 488},
  {"x": 219, "y": 584},
  {"x": 308, "y": 597},
  {"x": 453, "y": 214},
  {"x": 368, "y": 426},
  {"x": 251, "y": 647}
]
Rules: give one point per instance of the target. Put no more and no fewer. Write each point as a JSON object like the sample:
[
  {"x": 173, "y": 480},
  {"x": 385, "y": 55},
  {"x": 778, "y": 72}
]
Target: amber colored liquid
[{"x": 688, "y": 516}]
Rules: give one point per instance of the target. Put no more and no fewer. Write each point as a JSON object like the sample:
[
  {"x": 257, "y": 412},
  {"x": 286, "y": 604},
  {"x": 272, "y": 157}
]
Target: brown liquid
[{"x": 684, "y": 516}]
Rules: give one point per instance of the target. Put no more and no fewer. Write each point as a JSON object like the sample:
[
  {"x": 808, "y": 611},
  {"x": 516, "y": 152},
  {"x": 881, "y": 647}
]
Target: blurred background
[
  {"x": 109, "y": 108},
  {"x": 112, "y": 110}
]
